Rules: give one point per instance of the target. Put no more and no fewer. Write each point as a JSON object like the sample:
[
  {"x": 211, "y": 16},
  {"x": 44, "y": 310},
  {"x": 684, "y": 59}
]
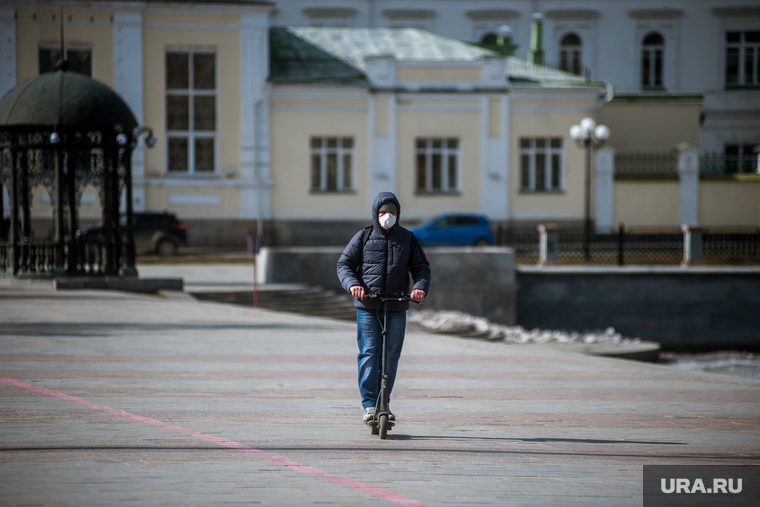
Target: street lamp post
[{"x": 588, "y": 135}]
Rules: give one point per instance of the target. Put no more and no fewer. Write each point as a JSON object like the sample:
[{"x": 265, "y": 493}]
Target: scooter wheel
[{"x": 383, "y": 427}]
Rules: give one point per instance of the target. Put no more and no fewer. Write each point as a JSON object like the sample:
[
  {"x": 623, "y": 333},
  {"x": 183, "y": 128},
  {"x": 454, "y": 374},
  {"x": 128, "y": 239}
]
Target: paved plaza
[{"x": 111, "y": 398}]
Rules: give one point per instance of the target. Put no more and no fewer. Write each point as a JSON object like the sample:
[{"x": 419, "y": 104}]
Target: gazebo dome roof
[{"x": 67, "y": 100}]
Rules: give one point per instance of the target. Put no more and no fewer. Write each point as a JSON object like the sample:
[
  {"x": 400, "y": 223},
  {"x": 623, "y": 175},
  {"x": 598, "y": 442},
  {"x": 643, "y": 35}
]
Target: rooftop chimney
[{"x": 536, "y": 53}]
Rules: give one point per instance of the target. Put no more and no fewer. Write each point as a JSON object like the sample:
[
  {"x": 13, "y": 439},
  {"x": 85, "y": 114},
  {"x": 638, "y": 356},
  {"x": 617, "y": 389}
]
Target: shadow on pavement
[{"x": 537, "y": 440}]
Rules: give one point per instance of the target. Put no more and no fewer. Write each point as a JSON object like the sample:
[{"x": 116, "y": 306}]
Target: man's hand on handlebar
[
  {"x": 417, "y": 295},
  {"x": 357, "y": 291}
]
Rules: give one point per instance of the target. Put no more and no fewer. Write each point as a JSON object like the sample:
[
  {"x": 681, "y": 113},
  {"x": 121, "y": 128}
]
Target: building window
[
  {"x": 740, "y": 158},
  {"x": 541, "y": 164},
  {"x": 570, "y": 49},
  {"x": 437, "y": 165},
  {"x": 652, "y": 50},
  {"x": 191, "y": 112},
  {"x": 80, "y": 60},
  {"x": 742, "y": 58},
  {"x": 332, "y": 164}
]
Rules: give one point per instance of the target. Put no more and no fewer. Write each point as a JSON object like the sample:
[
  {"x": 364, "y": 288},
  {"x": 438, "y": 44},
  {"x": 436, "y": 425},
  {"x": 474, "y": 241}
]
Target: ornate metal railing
[
  {"x": 517, "y": 68},
  {"x": 624, "y": 247},
  {"x": 34, "y": 257},
  {"x": 712, "y": 164},
  {"x": 39, "y": 258},
  {"x": 730, "y": 248},
  {"x": 646, "y": 165}
]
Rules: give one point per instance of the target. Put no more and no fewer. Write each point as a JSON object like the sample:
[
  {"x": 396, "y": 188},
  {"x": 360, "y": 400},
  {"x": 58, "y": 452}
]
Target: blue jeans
[{"x": 369, "y": 338}]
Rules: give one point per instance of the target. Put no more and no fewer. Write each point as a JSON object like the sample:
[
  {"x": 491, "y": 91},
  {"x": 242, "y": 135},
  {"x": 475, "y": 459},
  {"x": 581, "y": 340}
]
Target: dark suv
[{"x": 159, "y": 233}]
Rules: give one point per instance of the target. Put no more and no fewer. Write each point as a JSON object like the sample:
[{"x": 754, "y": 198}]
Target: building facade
[
  {"x": 430, "y": 118},
  {"x": 290, "y": 132},
  {"x": 195, "y": 73},
  {"x": 646, "y": 48}
]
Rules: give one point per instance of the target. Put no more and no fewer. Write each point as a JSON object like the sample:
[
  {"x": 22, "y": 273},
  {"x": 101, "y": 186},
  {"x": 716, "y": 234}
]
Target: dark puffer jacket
[{"x": 386, "y": 261}]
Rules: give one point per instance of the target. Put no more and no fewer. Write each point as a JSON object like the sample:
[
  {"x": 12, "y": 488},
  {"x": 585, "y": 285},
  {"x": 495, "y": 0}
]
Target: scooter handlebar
[{"x": 391, "y": 297}]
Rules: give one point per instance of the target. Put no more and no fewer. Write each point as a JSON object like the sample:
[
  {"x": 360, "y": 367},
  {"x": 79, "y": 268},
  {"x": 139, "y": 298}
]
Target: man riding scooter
[{"x": 377, "y": 260}]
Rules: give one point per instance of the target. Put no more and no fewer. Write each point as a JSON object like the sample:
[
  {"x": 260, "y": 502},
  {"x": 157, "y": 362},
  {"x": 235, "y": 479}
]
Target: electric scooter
[{"x": 380, "y": 424}]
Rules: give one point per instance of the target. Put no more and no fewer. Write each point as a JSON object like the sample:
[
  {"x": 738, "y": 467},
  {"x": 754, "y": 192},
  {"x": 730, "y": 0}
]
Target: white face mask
[{"x": 387, "y": 220}]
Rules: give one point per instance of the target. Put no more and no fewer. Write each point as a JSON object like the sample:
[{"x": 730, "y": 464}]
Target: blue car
[{"x": 455, "y": 229}]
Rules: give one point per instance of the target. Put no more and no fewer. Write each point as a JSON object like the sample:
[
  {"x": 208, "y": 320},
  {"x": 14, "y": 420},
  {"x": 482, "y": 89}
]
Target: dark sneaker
[
  {"x": 369, "y": 414},
  {"x": 391, "y": 417}
]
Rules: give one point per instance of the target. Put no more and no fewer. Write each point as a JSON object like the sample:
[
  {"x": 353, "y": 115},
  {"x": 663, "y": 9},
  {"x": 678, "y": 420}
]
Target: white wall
[{"x": 694, "y": 38}]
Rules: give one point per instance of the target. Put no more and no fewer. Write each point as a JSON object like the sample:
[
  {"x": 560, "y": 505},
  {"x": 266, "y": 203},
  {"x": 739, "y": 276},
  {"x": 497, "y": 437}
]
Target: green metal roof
[
  {"x": 293, "y": 58},
  {"x": 339, "y": 54}
]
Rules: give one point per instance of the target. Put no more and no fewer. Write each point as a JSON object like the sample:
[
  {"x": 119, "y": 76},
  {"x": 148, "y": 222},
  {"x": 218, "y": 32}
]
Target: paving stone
[{"x": 480, "y": 423}]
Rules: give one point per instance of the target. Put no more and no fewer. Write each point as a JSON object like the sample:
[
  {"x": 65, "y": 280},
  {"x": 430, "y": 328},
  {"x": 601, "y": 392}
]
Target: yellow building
[
  {"x": 297, "y": 129},
  {"x": 194, "y": 72},
  {"x": 357, "y": 111}
]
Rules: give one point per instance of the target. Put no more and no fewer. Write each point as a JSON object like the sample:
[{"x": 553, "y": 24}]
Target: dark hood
[{"x": 382, "y": 198}]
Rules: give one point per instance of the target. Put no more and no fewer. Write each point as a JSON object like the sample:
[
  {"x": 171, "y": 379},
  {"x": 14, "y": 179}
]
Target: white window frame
[
  {"x": 668, "y": 30},
  {"x": 743, "y": 47},
  {"x": 445, "y": 152},
  {"x": 744, "y": 153},
  {"x": 652, "y": 50},
  {"x": 572, "y": 52},
  {"x": 585, "y": 29},
  {"x": 340, "y": 152},
  {"x": 549, "y": 151},
  {"x": 191, "y": 134}
]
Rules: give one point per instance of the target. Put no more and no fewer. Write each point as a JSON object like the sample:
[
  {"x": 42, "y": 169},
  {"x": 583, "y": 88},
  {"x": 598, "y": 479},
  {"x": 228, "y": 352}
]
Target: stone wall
[
  {"x": 691, "y": 308},
  {"x": 480, "y": 281}
]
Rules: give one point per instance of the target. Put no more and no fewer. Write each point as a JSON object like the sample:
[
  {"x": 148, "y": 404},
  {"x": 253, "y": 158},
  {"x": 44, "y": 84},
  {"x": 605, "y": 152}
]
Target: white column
[
  {"x": 254, "y": 175},
  {"x": 381, "y": 72},
  {"x": 494, "y": 159},
  {"x": 7, "y": 50},
  {"x": 688, "y": 175},
  {"x": 128, "y": 82},
  {"x": 604, "y": 205},
  {"x": 382, "y": 146}
]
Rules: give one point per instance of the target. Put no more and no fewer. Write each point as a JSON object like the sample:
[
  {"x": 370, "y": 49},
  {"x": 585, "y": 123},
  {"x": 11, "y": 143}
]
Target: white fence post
[
  {"x": 548, "y": 244},
  {"x": 688, "y": 175},
  {"x": 605, "y": 189}
]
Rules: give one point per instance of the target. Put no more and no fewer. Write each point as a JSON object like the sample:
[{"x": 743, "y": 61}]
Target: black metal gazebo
[{"x": 65, "y": 131}]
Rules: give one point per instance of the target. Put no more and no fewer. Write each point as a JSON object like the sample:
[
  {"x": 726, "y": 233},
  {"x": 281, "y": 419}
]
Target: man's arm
[
  {"x": 348, "y": 264},
  {"x": 419, "y": 267}
]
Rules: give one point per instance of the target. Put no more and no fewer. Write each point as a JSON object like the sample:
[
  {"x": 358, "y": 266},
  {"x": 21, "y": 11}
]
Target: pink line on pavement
[{"x": 275, "y": 458}]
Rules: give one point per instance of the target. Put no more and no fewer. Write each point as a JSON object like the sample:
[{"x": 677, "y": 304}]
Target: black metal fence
[
  {"x": 716, "y": 164},
  {"x": 664, "y": 165},
  {"x": 625, "y": 247},
  {"x": 646, "y": 165},
  {"x": 38, "y": 258}
]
